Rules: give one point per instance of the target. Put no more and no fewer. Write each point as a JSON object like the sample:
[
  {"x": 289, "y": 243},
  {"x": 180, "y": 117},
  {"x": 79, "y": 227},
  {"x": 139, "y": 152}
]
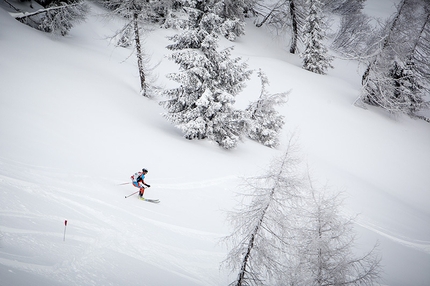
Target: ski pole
[
  {"x": 124, "y": 184},
  {"x": 131, "y": 194}
]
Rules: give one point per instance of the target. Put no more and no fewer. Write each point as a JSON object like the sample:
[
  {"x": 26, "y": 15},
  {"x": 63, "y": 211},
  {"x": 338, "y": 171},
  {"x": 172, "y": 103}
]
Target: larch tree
[
  {"x": 342, "y": 7},
  {"x": 287, "y": 232},
  {"x": 297, "y": 21},
  {"x": 136, "y": 13},
  {"x": 261, "y": 223},
  {"x": 56, "y": 17},
  {"x": 285, "y": 15},
  {"x": 322, "y": 252},
  {"x": 396, "y": 78},
  {"x": 411, "y": 73},
  {"x": 377, "y": 88},
  {"x": 352, "y": 39}
]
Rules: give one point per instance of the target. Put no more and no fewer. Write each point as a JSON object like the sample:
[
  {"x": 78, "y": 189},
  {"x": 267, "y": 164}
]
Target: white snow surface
[{"x": 73, "y": 128}]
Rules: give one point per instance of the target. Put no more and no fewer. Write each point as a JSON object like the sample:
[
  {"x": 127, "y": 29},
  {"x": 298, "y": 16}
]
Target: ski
[{"x": 156, "y": 201}]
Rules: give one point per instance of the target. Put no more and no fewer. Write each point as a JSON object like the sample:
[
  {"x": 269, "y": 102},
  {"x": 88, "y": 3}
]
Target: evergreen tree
[
  {"x": 232, "y": 9},
  {"x": 265, "y": 122},
  {"x": 233, "y": 12},
  {"x": 315, "y": 57},
  {"x": 202, "y": 106},
  {"x": 224, "y": 17},
  {"x": 406, "y": 88}
]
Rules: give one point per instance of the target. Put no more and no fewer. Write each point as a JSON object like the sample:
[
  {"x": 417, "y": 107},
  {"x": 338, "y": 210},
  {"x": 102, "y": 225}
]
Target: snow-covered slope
[{"x": 73, "y": 129}]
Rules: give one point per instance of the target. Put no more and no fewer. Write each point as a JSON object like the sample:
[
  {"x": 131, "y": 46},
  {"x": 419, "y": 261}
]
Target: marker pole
[{"x": 65, "y": 225}]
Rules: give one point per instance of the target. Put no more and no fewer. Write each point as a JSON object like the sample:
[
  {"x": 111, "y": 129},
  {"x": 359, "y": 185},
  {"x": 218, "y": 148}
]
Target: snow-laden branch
[{"x": 21, "y": 15}]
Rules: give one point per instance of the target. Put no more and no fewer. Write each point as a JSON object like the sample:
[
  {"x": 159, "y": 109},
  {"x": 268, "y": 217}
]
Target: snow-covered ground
[{"x": 73, "y": 128}]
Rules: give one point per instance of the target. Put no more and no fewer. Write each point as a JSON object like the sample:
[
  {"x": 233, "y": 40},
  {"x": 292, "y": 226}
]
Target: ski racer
[{"x": 138, "y": 180}]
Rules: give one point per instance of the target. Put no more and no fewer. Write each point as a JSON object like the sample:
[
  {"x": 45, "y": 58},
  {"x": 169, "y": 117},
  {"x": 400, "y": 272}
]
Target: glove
[{"x": 148, "y": 185}]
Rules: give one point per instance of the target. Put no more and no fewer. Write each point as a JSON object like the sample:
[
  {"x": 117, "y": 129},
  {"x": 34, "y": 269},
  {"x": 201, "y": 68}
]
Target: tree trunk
[
  {"x": 320, "y": 258},
  {"x": 241, "y": 278},
  {"x": 293, "y": 48},
  {"x": 420, "y": 35},
  {"x": 139, "y": 55}
]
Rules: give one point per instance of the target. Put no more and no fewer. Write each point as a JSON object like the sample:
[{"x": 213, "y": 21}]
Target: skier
[{"x": 139, "y": 181}]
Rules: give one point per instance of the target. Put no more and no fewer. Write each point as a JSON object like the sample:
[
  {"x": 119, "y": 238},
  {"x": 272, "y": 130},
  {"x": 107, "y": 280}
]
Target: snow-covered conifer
[
  {"x": 202, "y": 106},
  {"x": 407, "y": 91},
  {"x": 315, "y": 55},
  {"x": 234, "y": 9},
  {"x": 264, "y": 121},
  {"x": 224, "y": 17},
  {"x": 201, "y": 22}
]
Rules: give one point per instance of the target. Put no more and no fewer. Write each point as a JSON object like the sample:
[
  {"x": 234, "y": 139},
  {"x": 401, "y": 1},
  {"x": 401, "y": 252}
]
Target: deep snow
[{"x": 73, "y": 128}]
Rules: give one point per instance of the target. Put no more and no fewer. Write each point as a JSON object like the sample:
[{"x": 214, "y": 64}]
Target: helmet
[{"x": 144, "y": 170}]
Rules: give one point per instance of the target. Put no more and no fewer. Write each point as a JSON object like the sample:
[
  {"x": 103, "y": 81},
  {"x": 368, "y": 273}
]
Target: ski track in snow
[
  {"x": 96, "y": 232},
  {"x": 423, "y": 246},
  {"x": 195, "y": 184},
  {"x": 88, "y": 238}
]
